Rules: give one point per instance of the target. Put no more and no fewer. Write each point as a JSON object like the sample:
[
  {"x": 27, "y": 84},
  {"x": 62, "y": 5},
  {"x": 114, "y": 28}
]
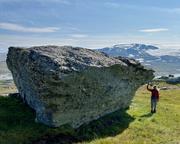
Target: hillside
[
  {"x": 163, "y": 65},
  {"x": 133, "y": 126}
]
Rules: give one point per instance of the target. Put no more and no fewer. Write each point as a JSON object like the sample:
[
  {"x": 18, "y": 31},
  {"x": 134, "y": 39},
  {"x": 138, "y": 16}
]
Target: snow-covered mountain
[
  {"x": 163, "y": 65},
  {"x": 137, "y": 51}
]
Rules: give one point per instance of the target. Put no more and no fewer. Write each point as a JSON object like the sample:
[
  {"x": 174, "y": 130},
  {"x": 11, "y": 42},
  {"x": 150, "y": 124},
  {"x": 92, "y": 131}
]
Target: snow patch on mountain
[{"x": 159, "y": 59}]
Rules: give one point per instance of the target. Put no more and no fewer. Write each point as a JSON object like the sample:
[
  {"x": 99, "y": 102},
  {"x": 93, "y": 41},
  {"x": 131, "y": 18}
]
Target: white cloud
[
  {"x": 154, "y": 30},
  {"x": 20, "y": 28},
  {"x": 79, "y": 35}
]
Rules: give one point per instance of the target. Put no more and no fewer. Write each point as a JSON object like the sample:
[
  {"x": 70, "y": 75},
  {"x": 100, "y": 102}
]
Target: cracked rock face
[{"x": 71, "y": 85}]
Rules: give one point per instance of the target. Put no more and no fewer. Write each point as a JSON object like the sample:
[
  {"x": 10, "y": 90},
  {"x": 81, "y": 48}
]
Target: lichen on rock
[{"x": 72, "y": 85}]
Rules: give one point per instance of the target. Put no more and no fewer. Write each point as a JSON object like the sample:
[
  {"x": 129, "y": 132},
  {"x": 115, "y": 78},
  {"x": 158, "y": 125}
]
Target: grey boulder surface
[{"x": 72, "y": 85}]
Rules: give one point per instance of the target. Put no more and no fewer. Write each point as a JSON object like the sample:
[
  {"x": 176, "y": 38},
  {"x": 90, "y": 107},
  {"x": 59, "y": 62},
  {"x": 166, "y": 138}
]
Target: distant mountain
[
  {"x": 3, "y": 56},
  {"x": 5, "y": 74},
  {"x": 137, "y": 51},
  {"x": 163, "y": 65}
]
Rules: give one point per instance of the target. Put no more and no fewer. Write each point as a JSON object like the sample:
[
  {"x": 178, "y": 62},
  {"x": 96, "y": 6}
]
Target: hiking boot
[{"x": 154, "y": 111}]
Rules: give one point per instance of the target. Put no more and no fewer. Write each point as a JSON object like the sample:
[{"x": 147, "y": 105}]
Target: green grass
[
  {"x": 133, "y": 126},
  {"x": 160, "y": 128},
  {"x": 17, "y": 123}
]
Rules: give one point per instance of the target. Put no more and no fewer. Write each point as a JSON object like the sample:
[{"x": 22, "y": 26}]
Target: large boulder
[{"x": 71, "y": 85}]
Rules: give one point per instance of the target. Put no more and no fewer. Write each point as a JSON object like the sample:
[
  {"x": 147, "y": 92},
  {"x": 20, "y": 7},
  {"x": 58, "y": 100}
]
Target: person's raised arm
[{"x": 148, "y": 87}]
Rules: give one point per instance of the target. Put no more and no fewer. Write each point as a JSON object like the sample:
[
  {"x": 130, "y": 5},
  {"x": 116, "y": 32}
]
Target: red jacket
[{"x": 154, "y": 92}]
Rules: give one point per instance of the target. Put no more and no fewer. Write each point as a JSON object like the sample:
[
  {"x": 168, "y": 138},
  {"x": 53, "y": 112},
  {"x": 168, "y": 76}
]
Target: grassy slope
[
  {"x": 17, "y": 123},
  {"x": 162, "y": 127},
  {"x": 135, "y": 126}
]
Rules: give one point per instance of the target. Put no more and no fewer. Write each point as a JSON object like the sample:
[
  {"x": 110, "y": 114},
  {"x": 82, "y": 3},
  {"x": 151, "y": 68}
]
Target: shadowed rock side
[{"x": 71, "y": 85}]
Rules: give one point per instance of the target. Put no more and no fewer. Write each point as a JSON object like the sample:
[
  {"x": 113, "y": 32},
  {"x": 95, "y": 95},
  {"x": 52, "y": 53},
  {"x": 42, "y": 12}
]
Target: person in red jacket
[{"x": 154, "y": 98}]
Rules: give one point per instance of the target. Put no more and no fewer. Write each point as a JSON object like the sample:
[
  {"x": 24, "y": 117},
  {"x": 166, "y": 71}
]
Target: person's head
[{"x": 154, "y": 87}]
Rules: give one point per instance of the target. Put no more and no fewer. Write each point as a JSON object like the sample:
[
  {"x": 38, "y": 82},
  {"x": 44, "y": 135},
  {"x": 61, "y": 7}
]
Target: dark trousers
[{"x": 153, "y": 103}]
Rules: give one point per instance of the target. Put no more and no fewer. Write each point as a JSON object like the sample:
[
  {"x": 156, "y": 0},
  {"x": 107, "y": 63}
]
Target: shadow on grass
[
  {"x": 147, "y": 115},
  {"x": 17, "y": 126},
  {"x": 109, "y": 125}
]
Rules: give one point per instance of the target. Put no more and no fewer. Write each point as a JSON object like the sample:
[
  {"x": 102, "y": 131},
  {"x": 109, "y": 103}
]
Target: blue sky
[{"x": 89, "y": 23}]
